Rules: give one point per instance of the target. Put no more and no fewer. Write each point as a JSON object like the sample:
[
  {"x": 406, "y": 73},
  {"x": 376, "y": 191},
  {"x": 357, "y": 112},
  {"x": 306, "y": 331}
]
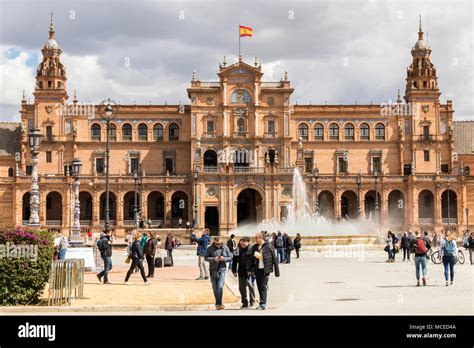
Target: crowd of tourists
[{"x": 420, "y": 247}]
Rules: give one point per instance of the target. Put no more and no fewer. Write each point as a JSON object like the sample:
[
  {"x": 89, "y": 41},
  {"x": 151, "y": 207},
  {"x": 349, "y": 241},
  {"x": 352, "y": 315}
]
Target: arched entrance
[
  {"x": 54, "y": 209},
  {"x": 372, "y": 206},
  {"x": 249, "y": 207},
  {"x": 112, "y": 206},
  {"x": 449, "y": 206},
  {"x": 156, "y": 208},
  {"x": 426, "y": 207},
  {"x": 179, "y": 208},
  {"x": 25, "y": 215},
  {"x": 396, "y": 207},
  {"x": 85, "y": 201},
  {"x": 211, "y": 220},
  {"x": 129, "y": 207},
  {"x": 349, "y": 205},
  {"x": 326, "y": 205}
]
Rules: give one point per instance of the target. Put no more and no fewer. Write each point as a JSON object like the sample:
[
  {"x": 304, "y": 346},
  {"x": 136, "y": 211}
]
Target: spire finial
[
  {"x": 286, "y": 76},
  {"x": 420, "y": 29},
  {"x": 75, "y": 97},
  {"x": 51, "y": 27},
  {"x": 399, "y": 97},
  {"x": 24, "y": 95},
  {"x": 224, "y": 63},
  {"x": 194, "y": 77}
]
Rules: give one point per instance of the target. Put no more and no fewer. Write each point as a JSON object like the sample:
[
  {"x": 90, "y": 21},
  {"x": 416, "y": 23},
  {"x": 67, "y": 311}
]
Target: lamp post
[
  {"x": 467, "y": 219},
  {"x": 358, "y": 181},
  {"x": 136, "y": 211},
  {"x": 34, "y": 142},
  {"x": 449, "y": 208},
  {"x": 195, "y": 218},
  {"x": 376, "y": 195},
  {"x": 108, "y": 112},
  {"x": 316, "y": 177},
  {"x": 76, "y": 172}
]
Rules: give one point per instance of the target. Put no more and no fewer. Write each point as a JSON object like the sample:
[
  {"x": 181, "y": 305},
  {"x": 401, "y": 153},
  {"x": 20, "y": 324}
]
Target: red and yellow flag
[{"x": 245, "y": 31}]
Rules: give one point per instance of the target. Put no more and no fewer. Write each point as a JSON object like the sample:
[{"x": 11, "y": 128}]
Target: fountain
[{"x": 302, "y": 219}]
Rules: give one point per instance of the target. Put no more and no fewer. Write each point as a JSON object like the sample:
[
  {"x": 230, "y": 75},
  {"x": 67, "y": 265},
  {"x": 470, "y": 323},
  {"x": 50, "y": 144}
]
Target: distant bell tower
[
  {"x": 51, "y": 73},
  {"x": 422, "y": 83}
]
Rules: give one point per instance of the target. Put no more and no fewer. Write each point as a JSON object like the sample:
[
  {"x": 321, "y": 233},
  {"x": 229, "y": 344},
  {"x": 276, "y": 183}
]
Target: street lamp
[
  {"x": 34, "y": 136},
  {"x": 195, "y": 218},
  {"x": 316, "y": 177},
  {"x": 108, "y": 114},
  {"x": 467, "y": 219},
  {"x": 376, "y": 195},
  {"x": 76, "y": 172},
  {"x": 137, "y": 179},
  {"x": 358, "y": 181}
]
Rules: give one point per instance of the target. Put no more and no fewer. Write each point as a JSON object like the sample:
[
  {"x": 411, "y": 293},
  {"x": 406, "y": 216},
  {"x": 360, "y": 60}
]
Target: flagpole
[{"x": 239, "y": 42}]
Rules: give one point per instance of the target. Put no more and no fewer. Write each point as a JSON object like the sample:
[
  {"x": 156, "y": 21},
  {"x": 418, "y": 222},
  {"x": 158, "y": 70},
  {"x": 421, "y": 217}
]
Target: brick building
[{"x": 228, "y": 157}]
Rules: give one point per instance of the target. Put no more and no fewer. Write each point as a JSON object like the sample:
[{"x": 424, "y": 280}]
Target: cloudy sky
[{"x": 337, "y": 51}]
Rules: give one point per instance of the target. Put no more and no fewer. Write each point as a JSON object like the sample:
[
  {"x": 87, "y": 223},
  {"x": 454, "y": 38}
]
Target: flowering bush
[{"x": 25, "y": 261}]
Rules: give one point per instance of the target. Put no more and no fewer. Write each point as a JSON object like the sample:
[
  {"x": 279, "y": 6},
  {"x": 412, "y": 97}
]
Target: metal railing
[
  {"x": 66, "y": 281},
  {"x": 426, "y": 221},
  {"x": 53, "y": 222},
  {"x": 211, "y": 169},
  {"x": 450, "y": 220}
]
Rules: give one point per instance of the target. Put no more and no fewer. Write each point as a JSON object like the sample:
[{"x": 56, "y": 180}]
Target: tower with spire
[
  {"x": 51, "y": 73},
  {"x": 421, "y": 81}
]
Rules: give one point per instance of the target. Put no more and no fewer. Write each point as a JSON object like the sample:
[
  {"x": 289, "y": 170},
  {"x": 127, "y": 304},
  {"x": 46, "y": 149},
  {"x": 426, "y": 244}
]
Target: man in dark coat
[
  {"x": 150, "y": 251},
  {"x": 241, "y": 266},
  {"x": 169, "y": 246},
  {"x": 263, "y": 263},
  {"x": 105, "y": 247}
]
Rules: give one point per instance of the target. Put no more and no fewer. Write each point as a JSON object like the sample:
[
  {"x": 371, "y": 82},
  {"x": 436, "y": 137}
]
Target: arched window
[
  {"x": 142, "y": 132},
  {"x": 333, "y": 131},
  {"x": 157, "y": 132},
  {"x": 364, "y": 131},
  {"x": 174, "y": 131},
  {"x": 271, "y": 128},
  {"x": 303, "y": 131},
  {"x": 318, "y": 131},
  {"x": 467, "y": 171},
  {"x": 10, "y": 172},
  {"x": 241, "y": 96},
  {"x": 127, "y": 132},
  {"x": 112, "y": 132},
  {"x": 349, "y": 131},
  {"x": 240, "y": 126},
  {"x": 379, "y": 131},
  {"x": 95, "y": 131}
]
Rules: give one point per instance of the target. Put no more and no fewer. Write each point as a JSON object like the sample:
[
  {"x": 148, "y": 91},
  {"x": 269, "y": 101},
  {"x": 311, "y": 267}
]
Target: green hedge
[{"x": 22, "y": 277}]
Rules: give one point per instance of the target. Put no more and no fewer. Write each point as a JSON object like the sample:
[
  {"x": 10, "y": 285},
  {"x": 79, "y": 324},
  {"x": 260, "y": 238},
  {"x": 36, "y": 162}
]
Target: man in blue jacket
[{"x": 202, "y": 243}]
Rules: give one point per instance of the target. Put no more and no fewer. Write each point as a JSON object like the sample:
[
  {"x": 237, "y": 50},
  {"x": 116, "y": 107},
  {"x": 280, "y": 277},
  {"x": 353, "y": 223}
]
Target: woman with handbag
[
  {"x": 137, "y": 257},
  {"x": 390, "y": 247}
]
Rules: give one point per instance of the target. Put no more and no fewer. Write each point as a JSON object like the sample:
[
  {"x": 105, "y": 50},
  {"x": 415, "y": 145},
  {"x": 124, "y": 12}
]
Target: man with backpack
[
  {"x": 288, "y": 247},
  {"x": 420, "y": 248},
  {"x": 105, "y": 247},
  {"x": 280, "y": 246},
  {"x": 449, "y": 253}
]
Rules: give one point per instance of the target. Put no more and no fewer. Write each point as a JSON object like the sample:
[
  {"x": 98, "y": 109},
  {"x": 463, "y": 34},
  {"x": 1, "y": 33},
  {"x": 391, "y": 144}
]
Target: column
[
  {"x": 256, "y": 124},
  {"x": 225, "y": 124},
  {"x": 167, "y": 208},
  {"x": 144, "y": 204},
  {"x": 337, "y": 202},
  {"x": 256, "y": 93},
  {"x": 384, "y": 207},
  {"x": 95, "y": 208},
  {"x": 118, "y": 209},
  {"x": 224, "y": 96}
]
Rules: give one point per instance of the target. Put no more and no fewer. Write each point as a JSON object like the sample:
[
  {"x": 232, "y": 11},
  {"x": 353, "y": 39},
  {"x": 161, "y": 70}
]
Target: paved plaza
[{"x": 345, "y": 280}]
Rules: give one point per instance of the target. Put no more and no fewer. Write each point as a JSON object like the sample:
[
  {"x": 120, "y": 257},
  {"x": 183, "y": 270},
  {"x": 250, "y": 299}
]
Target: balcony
[
  {"x": 211, "y": 169},
  {"x": 426, "y": 221},
  {"x": 426, "y": 137},
  {"x": 49, "y": 138},
  {"x": 240, "y": 134},
  {"x": 452, "y": 221},
  {"x": 209, "y": 134},
  {"x": 270, "y": 135},
  {"x": 244, "y": 170}
]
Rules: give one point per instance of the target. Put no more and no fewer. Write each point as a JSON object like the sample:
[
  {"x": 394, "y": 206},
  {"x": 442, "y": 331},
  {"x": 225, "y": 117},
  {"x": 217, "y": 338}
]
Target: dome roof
[
  {"x": 421, "y": 45},
  {"x": 51, "y": 44}
]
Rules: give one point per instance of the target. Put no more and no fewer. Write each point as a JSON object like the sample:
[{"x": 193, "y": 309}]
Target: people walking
[
  {"x": 449, "y": 253},
  {"x": 288, "y": 247},
  {"x": 405, "y": 245},
  {"x": 169, "y": 247},
  {"x": 232, "y": 245},
  {"x": 63, "y": 245},
  {"x": 470, "y": 245},
  {"x": 297, "y": 244},
  {"x": 280, "y": 247},
  {"x": 241, "y": 267},
  {"x": 218, "y": 255},
  {"x": 105, "y": 247},
  {"x": 389, "y": 248},
  {"x": 150, "y": 251},
  {"x": 420, "y": 248},
  {"x": 136, "y": 254},
  {"x": 263, "y": 263},
  {"x": 202, "y": 244}
]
